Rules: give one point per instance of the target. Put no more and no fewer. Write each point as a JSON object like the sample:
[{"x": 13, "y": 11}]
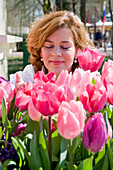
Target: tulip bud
[
  {"x": 95, "y": 133},
  {"x": 20, "y": 127},
  {"x": 71, "y": 119},
  {"x": 90, "y": 59}
]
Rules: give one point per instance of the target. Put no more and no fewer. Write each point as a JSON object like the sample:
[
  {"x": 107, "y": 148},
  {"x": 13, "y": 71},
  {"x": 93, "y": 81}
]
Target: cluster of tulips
[{"x": 73, "y": 105}]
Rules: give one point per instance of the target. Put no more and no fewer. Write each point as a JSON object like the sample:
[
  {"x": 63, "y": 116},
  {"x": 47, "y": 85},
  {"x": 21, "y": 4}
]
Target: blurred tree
[
  {"x": 66, "y": 5},
  {"x": 83, "y": 10},
  {"x": 47, "y": 5},
  {"x": 21, "y": 12}
]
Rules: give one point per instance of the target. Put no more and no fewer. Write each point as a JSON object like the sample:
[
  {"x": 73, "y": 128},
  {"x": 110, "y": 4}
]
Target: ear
[
  {"x": 75, "y": 56},
  {"x": 76, "y": 48}
]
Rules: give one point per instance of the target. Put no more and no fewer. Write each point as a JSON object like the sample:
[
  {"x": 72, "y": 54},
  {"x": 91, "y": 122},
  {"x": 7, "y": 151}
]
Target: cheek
[
  {"x": 45, "y": 53},
  {"x": 70, "y": 56}
]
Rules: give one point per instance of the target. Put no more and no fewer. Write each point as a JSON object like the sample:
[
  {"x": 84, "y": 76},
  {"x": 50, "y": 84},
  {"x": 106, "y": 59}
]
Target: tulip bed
[{"x": 59, "y": 124}]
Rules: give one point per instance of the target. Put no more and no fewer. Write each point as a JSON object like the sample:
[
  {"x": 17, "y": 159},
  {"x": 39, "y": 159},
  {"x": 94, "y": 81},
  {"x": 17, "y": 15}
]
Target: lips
[{"x": 56, "y": 62}]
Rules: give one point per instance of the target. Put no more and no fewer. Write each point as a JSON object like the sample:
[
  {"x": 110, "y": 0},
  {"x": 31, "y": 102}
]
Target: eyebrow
[{"x": 61, "y": 41}]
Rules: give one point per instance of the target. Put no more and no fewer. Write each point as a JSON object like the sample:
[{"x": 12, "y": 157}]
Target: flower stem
[
  {"x": 70, "y": 154},
  {"x": 49, "y": 140},
  {"x": 6, "y": 137}
]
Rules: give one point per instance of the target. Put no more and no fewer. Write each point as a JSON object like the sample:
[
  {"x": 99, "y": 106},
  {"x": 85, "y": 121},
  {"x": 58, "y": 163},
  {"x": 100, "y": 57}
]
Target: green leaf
[
  {"x": 84, "y": 152},
  {"x": 20, "y": 148},
  {"x": 54, "y": 158},
  {"x": 33, "y": 126},
  {"x": 86, "y": 164},
  {"x": 35, "y": 156},
  {"x": 1, "y": 132},
  {"x": 29, "y": 136},
  {"x": 41, "y": 124},
  {"x": 11, "y": 110},
  {"x": 74, "y": 167},
  {"x": 45, "y": 124},
  {"x": 27, "y": 140},
  {"x": 25, "y": 117},
  {"x": 16, "y": 146},
  {"x": 108, "y": 110},
  {"x": 56, "y": 142},
  {"x": 63, "y": 152},
  {"x": 112, "y": 118},
  {"x": 1, "y": 166},
  {"x": 103, "y": 163},
  {"x": 44, "y": 152},
  {"x": 100, "y": 155},
  {"x": 75, "y": 142},
  {"x": 110, "y": 156},
  {"x": 99, "y": 165},
  {"x": 22, "y": 135},
  {"x": 9, "y": 162},
  {"x": 106, "y": 120},
  {"x": 4, "y": 113},
  {"x": 93, "y": 81}
]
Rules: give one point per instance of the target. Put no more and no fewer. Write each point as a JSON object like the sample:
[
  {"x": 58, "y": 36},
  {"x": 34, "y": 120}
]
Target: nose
[{"x": 56, "y": 51}]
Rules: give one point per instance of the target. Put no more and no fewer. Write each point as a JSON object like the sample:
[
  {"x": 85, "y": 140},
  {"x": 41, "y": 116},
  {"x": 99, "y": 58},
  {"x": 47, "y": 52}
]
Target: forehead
[{"x": 61, "y": 34}]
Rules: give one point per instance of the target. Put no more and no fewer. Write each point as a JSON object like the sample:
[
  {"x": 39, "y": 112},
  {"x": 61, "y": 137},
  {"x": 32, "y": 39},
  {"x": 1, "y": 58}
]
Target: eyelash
[
  {"x": 61, "y": 47},
  {"x": 65, "y": 47},
  {"x": 49, "y": 47}
]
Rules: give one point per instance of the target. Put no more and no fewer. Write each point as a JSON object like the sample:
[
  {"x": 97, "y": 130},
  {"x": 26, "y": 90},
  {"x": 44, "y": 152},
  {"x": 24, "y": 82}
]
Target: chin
[{"x": 57, "y": 73}]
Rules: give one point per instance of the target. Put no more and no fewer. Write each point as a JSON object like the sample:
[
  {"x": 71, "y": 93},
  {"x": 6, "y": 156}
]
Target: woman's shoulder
[
  {"x": 29, "y": 68},
  {"x": 26, "y": 74}
]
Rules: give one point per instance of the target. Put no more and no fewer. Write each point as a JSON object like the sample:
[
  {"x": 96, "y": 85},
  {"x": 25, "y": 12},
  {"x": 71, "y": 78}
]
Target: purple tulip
[
  {"x": 95, "y": 133},
  {"x": 21, "y": 127},
  {"x": 3, "y": 80}
]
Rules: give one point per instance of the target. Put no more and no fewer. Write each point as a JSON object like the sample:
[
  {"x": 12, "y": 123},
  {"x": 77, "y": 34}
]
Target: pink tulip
[
  {"x": 19, "y": 83},
  {"x": 21, "y": 127},
  {"x": 90, "y": 59},
  {"x": 64, "y": 93},
  {"x": 94, "y": 97},
  {"x": 46, "y": 99},
  {"x": 3, "y": 93},
  {"x": 40, "y": 78},
  {"x": 107, "y": 78},
  {"x": 64, "y": 78},
  {"x": 110, "y": 93},
  {"x": 107, "y": 73},
  {"x": 80, "y": 79},
  {"x": 23, "y": 96},
  {"x": 71, "y": 119},
  {"x": 95, "y": 133},
  {"x": 34, "y": 114},
  {"x": 10, "y": 89}
]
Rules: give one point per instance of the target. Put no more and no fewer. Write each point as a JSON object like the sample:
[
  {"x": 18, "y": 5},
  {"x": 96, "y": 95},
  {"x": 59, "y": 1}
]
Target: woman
[{"x": 53, "y": 42}]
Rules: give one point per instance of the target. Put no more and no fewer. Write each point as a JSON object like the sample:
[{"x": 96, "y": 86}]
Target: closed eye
[
  {"x": 64, "y": 47},
  {"x": 48, "y": 46}
]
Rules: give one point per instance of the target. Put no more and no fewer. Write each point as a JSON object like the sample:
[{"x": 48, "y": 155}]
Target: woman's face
[{"x": 58, "y": 51}]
